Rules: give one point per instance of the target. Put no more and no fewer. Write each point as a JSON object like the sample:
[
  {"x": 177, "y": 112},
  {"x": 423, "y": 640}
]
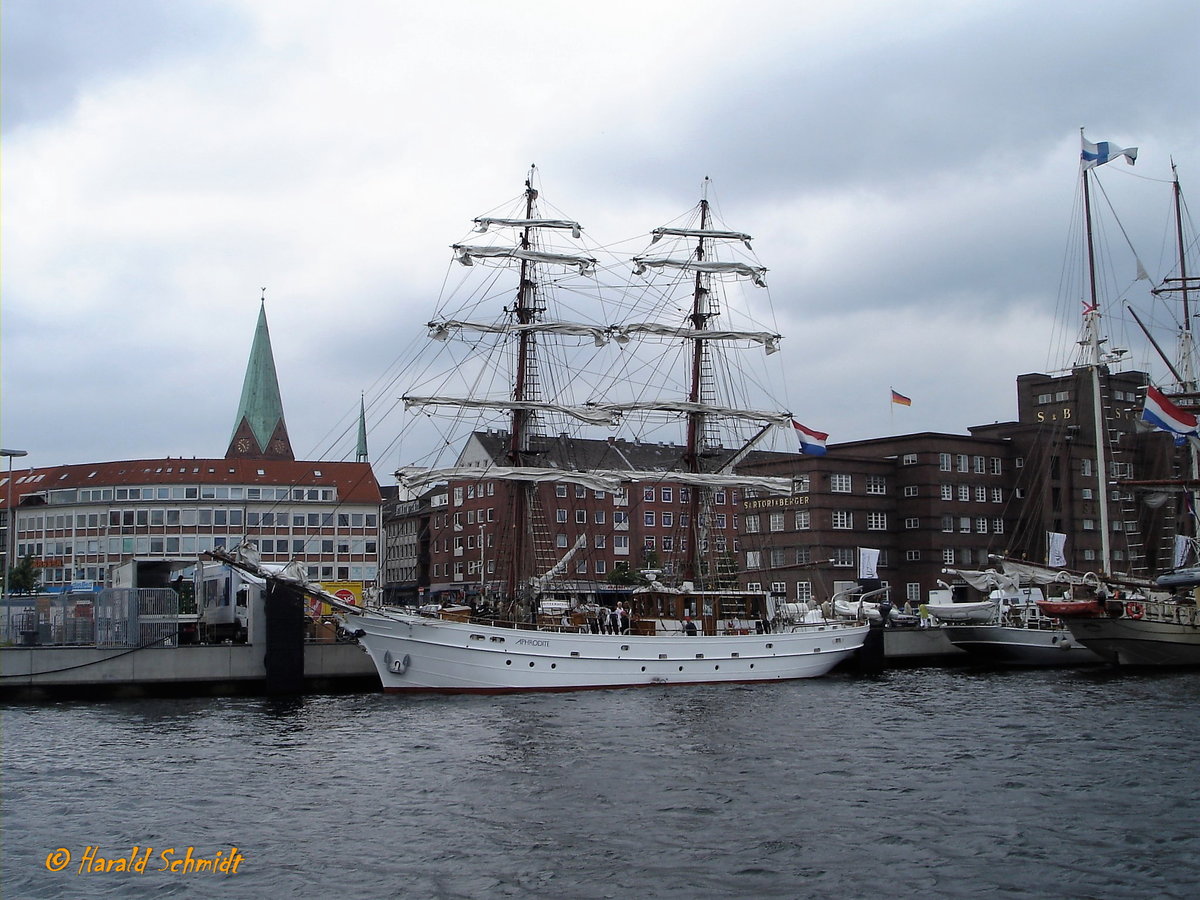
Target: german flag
[{"x": 899, "y": 398}]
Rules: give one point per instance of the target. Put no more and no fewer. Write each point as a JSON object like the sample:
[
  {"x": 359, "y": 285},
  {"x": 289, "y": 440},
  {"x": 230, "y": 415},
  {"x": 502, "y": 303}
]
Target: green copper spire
[
  {"x": 361, "y": 453},
  {"x": 260, "y": 431}
]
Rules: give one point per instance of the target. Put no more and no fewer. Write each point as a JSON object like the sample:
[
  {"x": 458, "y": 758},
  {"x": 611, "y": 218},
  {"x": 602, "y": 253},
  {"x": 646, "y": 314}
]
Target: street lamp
[{"x": 9, "y": 528}]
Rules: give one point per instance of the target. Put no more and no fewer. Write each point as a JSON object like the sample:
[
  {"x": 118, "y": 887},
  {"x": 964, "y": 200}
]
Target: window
[
  {"x": 843, "y": 519},
  {"x": 912, "y": 523},
  {"x": 778, "y": 588},
  {"x": 753, "y": 559},
  {"x": 803, "y": 556},
  {"x": 912, "y": 555},
  {"x": 994, "y": 465},
  {"x": 844, "y": 556},
  {"x": 1089, "y": 524},
  {"x": 560, "y": 516},
  {"x": 581, "y": 517},
  {"x": 601, "y": 567},
  {"x": 876, "y": 521},
  {"x": 964, "y": 492},
  {"x": 947, "y": 492},
  {"x": 777, "y": 557},
  {"x": 980, "y": 494},
  {"x": 804, "y": 591},
  {"x": 910, "y": 490},
  {"x": 943, "y": 462},
  {"x": 800, "y": 484},
  {"x": 998, "y": 495},
  {"x": 948, "y": 556},
  {"x": 947, "y": 524},
  {"x": 981, "y": 525},
  {"x": 560, "y": 490},
  {"x": 964, "y": 524},
  {"x": 599, "y": 517},
  {"x": 803, "y": 520},
  {"x": 752, "y": 524},
  {"x": 840, "y": 484},
  {"x": 668, "y": 519},
  {"x": 964, "y": 463},
  {"x": 909, "y": 459},
  {"x": 560, "y": 540},
  {"x": 1086, "y": 493},
  {"x": 648, "y": 518},
  {"x": 979, "y": 465},
  {"x": 719, "y": 498},
  {"x": 997, "y": 526},
  {"x": 621, "y": 520},
  {"x": 1085, "y": 468},
  {"x": 777, "y": 521},
  {"x": 912, "y": 592},
  {"x": 876, "y": 484},
  {"x": 648, "y": 493},
  {"x": 721, "y": 520},
  {"x": 621, "y": 544},
  {"x": 580, "y": 492}
]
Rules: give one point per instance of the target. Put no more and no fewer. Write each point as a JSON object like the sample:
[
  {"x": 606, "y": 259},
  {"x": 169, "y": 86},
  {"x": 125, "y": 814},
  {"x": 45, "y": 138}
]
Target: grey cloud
[{"x": 51, "y": 50}]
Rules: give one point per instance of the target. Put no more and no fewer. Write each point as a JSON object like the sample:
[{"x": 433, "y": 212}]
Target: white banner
[
  {"x": 1055, "y": 544},
  {"x": 868, "y": 563}
]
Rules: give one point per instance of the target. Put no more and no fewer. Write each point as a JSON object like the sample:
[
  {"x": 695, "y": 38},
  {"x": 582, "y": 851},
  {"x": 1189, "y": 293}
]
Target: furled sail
[
  {"x": 757, "y": 274},
  {"x": 596, "y": 481},
  {"x": 592, "y": 415},
  {"x": 439, "y": 331},
  {"x": 467, "y": 255},
  {"x": 622, "y": 333},
  {"x": 660, "y": 233},
  {"x": 485, "y": 221},
  {"x": 688, "y": 406}
]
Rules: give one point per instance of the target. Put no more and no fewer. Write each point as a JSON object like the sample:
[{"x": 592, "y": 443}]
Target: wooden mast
[
  {"x": 700, "y": 314},
  {"x": 525, "y": 311}
]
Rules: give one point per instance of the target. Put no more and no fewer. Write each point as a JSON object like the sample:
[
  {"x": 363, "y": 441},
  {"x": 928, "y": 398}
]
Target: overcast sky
[{"x": 909, "y": 171}]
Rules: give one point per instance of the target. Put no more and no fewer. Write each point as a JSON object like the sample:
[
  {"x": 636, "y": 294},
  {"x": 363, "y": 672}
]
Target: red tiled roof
[{"x": 355, "y": 481}]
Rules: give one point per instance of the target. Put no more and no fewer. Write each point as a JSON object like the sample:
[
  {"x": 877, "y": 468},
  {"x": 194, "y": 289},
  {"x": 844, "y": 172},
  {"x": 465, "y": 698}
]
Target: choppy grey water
[{"x": 925, "y": 782}]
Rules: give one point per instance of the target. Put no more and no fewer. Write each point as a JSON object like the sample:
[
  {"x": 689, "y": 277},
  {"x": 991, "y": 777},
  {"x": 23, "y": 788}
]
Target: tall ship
[
  {"x": 1098, "y": 465},
  {"x": 544, "y": 370}
]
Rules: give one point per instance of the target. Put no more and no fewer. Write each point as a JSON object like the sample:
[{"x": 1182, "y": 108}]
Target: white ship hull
[{"x": 418, "y": 654}]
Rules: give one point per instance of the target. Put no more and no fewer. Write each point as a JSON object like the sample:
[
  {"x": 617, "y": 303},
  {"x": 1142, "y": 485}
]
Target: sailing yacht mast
[{"x": 1092, "y": 360}]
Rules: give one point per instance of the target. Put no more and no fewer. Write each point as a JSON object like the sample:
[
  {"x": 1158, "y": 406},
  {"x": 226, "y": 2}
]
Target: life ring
[{"x": 1134, "y": 610}]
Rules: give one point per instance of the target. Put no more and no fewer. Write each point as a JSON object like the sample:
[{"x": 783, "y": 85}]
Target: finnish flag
[{"x": 1103, "y": 152}]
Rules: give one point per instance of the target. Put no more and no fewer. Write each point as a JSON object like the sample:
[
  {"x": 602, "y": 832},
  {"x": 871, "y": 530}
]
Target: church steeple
[
  {"x": 260, "y": 432},
  {"x": 361, "y": 453}
]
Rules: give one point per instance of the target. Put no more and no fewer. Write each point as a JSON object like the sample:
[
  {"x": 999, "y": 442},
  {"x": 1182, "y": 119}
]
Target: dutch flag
[
  {"x": 1166, "y": 416},
  {"x": 811, "y": 442}
]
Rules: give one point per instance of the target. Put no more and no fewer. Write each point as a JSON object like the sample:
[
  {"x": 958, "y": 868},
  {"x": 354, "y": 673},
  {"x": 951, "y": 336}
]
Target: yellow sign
[{"x": 347, "y": 591}]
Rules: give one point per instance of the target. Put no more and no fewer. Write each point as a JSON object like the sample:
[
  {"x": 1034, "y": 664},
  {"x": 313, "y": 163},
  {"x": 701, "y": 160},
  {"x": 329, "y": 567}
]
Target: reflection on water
[{"x": 921, "y": 782}]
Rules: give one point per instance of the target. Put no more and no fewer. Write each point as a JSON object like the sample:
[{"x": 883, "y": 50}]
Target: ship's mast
[
  {"x": 1092, "y": 342},
  {"x": 525, "y": 311},
  {"x": 695, "y": 421}
]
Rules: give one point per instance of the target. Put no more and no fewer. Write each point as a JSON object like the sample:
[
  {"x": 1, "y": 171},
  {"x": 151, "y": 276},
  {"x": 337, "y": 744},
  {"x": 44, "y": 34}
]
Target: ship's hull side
[
  {"x": 417, "y": 654},
  {"x": 1006, "y": 645}
]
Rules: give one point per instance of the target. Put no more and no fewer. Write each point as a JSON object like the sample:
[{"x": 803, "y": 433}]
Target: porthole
[
  {"x": 531, "y": 665},
  {"x": 508, "y": 662}
]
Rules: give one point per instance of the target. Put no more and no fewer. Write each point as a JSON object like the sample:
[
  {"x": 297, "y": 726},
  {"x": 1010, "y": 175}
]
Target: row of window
[
  {"x": 962, "y": 462},
  {"x": 189, "y": 544},
  {"x": 94, "y": 574},
  {"x": 189, "y": 492},
  {"x": 132, "y": 518}
]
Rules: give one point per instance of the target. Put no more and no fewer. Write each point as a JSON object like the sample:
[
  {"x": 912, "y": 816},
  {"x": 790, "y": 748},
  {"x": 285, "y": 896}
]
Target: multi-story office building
[{"x": 81, "y": 524}]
